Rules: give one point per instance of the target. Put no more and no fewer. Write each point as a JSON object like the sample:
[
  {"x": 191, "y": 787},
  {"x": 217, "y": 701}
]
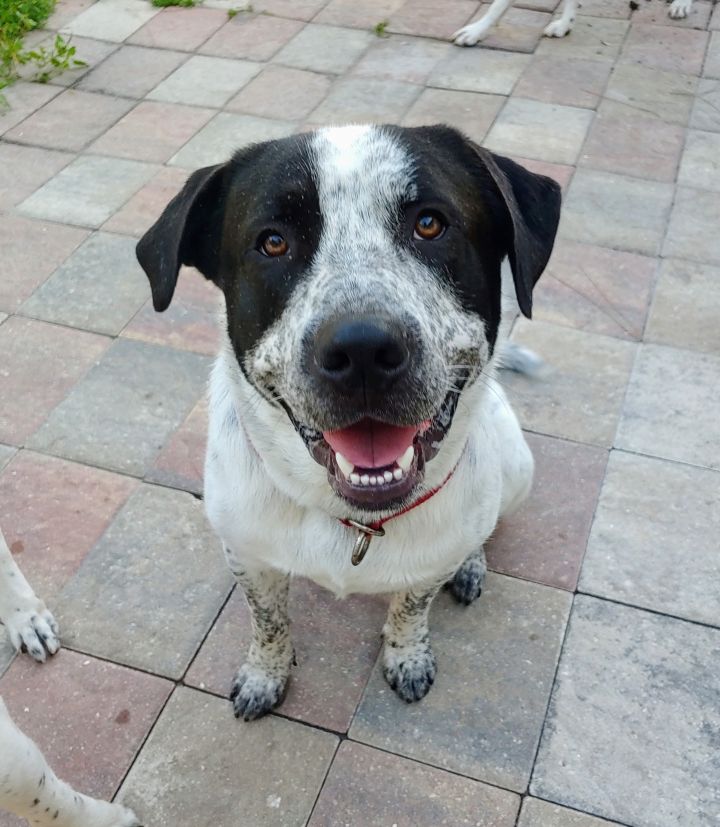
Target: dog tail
[{"x": 520, "y": 359}]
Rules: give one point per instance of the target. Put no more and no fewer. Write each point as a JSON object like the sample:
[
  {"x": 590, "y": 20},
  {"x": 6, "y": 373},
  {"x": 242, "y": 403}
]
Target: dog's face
[{"x": 361, "y": 272}]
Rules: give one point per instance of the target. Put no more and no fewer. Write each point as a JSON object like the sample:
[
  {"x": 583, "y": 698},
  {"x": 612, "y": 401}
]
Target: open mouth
[{"x": 374, "y": 464}]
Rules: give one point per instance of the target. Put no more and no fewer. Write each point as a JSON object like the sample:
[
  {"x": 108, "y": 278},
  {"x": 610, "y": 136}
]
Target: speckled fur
[
  {"x": 28, "y": 786},
  {"x": 271, "y": 503}
]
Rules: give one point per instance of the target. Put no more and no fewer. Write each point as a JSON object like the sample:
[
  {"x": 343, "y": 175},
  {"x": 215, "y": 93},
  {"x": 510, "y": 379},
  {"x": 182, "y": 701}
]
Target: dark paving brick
[
  {"x": 213, "y": 774},
  {"x": 31, "y": 251},
  {"x": 132, "y": 71},
  {"x": 138, "y": 214},
  {"x": 89, "y": 717},
  {"x": 158, "y": 575},
  {"x": 180, "y": 28},
  {"x": 632, "y": 727},
  {"x": 545, "y": 539},
  {"x": 336, "y": 644},
  {"x": 254, "y": 37},
  {"x": 471, "y": 112},
  {"x": 496, "y": 661},
  {"x": 121, "y": 414},
  {"x": 41, "y": 364},
  {"x": 420, "y": 17},
  {"x": 99, "y": 288},
  {"x": 537, "y": 813},
  {"x": 52, "y": 512},
  {"x": 366, "y": 786}
]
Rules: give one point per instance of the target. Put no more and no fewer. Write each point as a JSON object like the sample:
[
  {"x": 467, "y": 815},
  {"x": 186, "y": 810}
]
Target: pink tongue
[{"x": 371, "y": 444}]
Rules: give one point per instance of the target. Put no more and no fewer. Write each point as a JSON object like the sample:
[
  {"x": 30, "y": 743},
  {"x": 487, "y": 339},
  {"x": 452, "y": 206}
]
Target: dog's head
[{"x": 361, "y": 273}]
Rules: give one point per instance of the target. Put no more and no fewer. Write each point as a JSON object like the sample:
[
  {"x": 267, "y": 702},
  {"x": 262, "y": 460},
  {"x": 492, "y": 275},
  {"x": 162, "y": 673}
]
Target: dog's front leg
[
  {"x": 260, "y": 683},
  {"x": 408, "y": 661}
]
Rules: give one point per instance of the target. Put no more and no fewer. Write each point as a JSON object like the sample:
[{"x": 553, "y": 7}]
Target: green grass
[
  {"x": 163, "y": 4},
  {"x": 17, "y": 18},
  {"x": 379, "y": 28}
]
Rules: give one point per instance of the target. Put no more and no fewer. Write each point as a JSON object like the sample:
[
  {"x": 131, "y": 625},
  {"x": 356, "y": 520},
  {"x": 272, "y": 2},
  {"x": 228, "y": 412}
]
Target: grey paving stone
[
  {"x": 692, "y": 233},
  {"x": 88, "y": 191},
  {"x": 7, "y": 653},
  {"x": 537, "y": 813},
  {"x": 6, "y": 454},
  {"x": 700, "y": 164},
  {"x": 671, "y": 406},
  {"x": 479, "y": 70},
  {"x": 472, "y": 112},
  {"x": 99, "y": 288},
  {"x": 632, "y": 727},
  {"x": 686, "y": 306},
  {"x": 23, "y": 99},
  {"x": 200, "y": 766},
  {"x": 365, "y": 100},
  {"x": 324, "y": 48},
  {"x": 225, "y": 133},
  {"x": 293, "y": 93},
  {"x": 411, "y": 59},
  {"x": 121, "y": 413},
  {"x": 545, "y": 131},
  {"x": 132, "y": 71},
  {"x": 706, "y": 110},
  {"x": 148, "y": 592},
  {"x": 712, "y": 58},
  {"x": 112, "y": 20},
  {"x": 93, "y": 52},
  {"x": 582, "y": 394},
  {"x": 366, "y": 786},
  {"x": 616, "y": 211},
  {"x": 205, "y": 81},
  {"x": 642, "y": 551},
  {"x": 484, "y": 714},
  {"x": 635, "y": 89},
  {"x": 593, "y": 38}
]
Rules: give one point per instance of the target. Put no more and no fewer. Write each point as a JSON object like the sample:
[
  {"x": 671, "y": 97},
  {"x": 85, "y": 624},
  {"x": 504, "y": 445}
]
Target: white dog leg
[
  {"x": 563, "y": 24},
  {"x": 25, "y": 616},
  {"x": 474, "y": 32},
  {"x": 680, "y": 9},
  {"x": 31, "y": 790}
]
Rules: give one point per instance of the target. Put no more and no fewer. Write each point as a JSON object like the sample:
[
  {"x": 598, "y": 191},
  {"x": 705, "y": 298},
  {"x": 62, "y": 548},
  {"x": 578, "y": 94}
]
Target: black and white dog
[
  {"x": 28, "y": 786},
  {"x": 354, "y": 411}
]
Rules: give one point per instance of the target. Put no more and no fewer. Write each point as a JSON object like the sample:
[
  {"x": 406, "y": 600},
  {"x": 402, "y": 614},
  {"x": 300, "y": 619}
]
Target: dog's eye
[
  {"x": 429, "y": 226},
  {"x": 272, "y": 244}
]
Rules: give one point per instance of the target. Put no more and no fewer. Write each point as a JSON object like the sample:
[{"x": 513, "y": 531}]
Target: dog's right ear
[{"x": 188, "y": 232}]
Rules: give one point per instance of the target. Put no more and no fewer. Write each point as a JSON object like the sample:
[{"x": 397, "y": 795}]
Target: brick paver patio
[{"x": 585, "y": 683}]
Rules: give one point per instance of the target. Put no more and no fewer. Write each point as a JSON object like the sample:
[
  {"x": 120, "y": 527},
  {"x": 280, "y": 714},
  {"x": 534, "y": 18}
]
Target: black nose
[{"x": 365, "y": 352}]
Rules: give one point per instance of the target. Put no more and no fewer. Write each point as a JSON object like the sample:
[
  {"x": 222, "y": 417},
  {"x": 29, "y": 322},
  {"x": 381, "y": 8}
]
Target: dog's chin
[{"x": 375, "y": 465}]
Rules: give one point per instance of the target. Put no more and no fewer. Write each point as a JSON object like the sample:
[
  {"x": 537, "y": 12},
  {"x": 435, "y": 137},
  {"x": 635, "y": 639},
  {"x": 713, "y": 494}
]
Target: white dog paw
[
  {"x": 123, "y": 818},
  {"x": 469, "y": 35},
  {"x": 558, "y": 28},
  {"x": 34, "y": 630},
  {"x": 95, "y": 813},
  {"x": 410, "y": 671},
  {"x": 254, "y": 693},
  {"x": 680, "y": 9}
]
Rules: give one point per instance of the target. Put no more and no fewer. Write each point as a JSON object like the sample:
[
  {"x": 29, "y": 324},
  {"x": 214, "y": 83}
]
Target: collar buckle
[{"x": 362, "y": 543}]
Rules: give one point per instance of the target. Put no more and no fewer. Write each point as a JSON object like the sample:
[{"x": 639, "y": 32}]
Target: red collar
[{"x": 375, "y": 529}]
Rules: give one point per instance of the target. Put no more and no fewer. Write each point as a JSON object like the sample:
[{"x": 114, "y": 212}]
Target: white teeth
[
  {"x": 397, "y": 473},
  {"x": 373, "y": 480},
  {"x": 365, "y": 479},
  {"x": 355, "y": 479},
  {"x": 344, "y": 465},
  {"x": 405, "y": 461},
  {"x": 388, "y": 476},
  {"x": 381, "y": 480}
]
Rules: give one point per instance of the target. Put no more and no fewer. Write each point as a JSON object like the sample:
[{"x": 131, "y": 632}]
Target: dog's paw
[
  {"x": 409, "y": 671},
  {"x": 466, "y": 585},
  {"x": 470, "y": 35},
  {"x": 33, "y": 630},
  {"x": 104, "y": 814},
  {"x": 679, "y": 9},
  {"x": 124, "y": 818},
  {"x": 254, "y": 693},
  {"x": 557, "y": 28}
]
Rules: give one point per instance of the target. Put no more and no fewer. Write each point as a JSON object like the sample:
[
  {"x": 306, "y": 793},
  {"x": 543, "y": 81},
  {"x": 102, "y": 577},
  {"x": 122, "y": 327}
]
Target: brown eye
[
  {"x": 273, "y": 245},
  {"x": 429, "y": 226}
]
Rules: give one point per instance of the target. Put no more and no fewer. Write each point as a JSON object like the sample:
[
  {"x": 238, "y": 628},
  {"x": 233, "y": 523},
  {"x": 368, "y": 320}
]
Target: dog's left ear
[
  {"x": 533, "y": 204},
  {"x": 189, "y": 231}
]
